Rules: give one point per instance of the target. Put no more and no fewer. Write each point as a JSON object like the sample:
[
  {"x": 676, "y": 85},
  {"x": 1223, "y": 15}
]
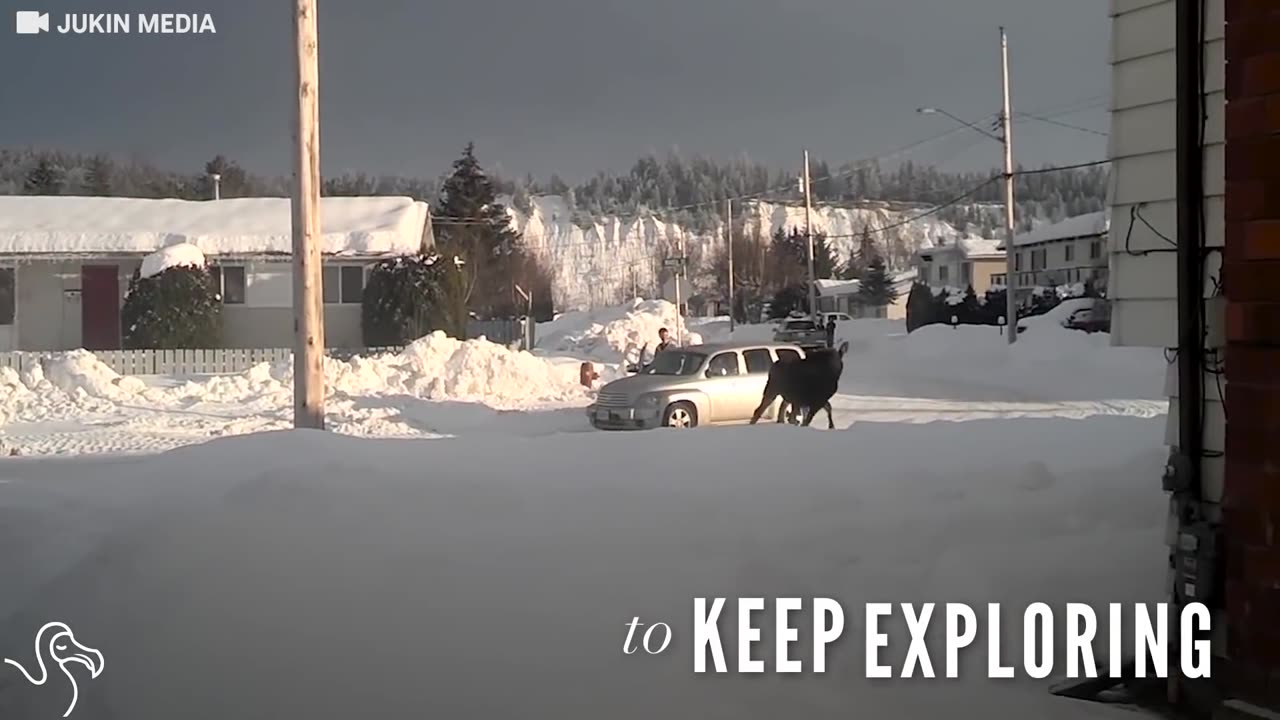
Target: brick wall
[{"x": 1251, "y": 275}]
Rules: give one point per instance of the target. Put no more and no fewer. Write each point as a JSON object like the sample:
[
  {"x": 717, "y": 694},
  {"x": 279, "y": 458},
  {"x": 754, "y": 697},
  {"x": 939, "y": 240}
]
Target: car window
[
  {"x": 675, "y": 363},
  {"x": 723, "y": 365},
  {"x": 785, "y": 354},
  {"x": 800, "y": 325},
  {"x": 758, "y": 361}
]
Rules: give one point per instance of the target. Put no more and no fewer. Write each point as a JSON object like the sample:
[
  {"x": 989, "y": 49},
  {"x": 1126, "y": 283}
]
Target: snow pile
[
  {"x": 179, "y": 255},
  {"x": 1048, "y": 362},
  {"x": 246, "y": 226},
  {"x": 613, "y": 334},
  {"x": 81, "y": 373},
  {"x": 349, "y": 570},
  {"x": 436, "y": 368}
]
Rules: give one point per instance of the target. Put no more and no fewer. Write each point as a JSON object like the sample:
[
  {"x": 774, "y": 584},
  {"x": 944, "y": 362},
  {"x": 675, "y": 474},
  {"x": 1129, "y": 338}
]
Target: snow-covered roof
[
  {"x": 67, "y": 225},
  {"x": 836, "y": 287},
  {"x": 1095, "y": 223},
  {"x": 978, "y": 248},
  {"x": 972, "y": 247}
]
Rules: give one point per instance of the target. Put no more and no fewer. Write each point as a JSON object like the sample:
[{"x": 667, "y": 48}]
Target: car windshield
[
  {"x": 800, "y": 325},
  {"x": 675, "y": 363}
]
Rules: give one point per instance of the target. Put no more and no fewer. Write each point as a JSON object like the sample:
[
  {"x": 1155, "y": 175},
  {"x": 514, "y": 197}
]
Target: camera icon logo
[{"x": 31, "y": 22}]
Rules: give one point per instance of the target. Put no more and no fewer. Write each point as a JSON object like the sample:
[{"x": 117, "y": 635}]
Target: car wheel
[{"x": 680, "y": 415}]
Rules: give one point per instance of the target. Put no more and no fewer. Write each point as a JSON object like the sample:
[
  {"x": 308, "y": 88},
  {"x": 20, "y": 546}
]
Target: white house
[
  {"x": 842, "y": 296},
  {"x": 66, "y": 262},
  {"x": 962, "y": 262},
  {"x": 1063, "y": 253}
]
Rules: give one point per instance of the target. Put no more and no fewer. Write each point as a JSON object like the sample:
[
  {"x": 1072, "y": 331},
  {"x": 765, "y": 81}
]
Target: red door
[{"x": 100, "y": 307}]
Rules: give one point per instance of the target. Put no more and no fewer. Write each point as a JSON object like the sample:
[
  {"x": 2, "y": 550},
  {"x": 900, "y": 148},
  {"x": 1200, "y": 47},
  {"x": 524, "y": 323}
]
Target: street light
[
  {"x": 217, "y": 185},
  {"x": 1005, "y": 140}
]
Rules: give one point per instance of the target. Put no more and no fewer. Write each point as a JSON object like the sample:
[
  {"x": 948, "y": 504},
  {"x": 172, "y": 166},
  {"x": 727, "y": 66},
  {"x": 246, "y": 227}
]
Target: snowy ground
[
  {"x": 322, "y": 576},
  {"x": 464, "y": 546}
]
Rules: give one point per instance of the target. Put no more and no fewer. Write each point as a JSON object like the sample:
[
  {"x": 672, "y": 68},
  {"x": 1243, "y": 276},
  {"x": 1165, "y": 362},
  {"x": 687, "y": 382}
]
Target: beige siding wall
[
  {"x": 272, "y": 327},
  {"x": 1143, "y": 277},
  {"x": 49, "y": 301}
]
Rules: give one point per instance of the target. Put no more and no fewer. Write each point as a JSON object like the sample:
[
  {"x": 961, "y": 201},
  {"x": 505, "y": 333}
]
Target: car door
[
  {"x": 757, "y": 362},
  {"x": 722, "y": 385}
]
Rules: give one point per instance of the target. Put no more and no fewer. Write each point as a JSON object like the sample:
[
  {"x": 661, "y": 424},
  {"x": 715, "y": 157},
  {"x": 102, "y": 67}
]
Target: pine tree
[
  {"x": 409, "y": 297},
  {"x": 479, "y": 231},
  {"x": 46, "y": 178},
  {"x": 824, "y": 260},
  {"x": 877, "y": 287},
  {"x": 860, "y": 257},
  {"x": 98, "y": 176}
]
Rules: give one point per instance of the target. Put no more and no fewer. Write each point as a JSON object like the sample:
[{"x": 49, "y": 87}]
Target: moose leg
[
  {"x": 809, "y": 412},
  {"x": 831, "y": 424},
  {"x": 769, "y": 397}
]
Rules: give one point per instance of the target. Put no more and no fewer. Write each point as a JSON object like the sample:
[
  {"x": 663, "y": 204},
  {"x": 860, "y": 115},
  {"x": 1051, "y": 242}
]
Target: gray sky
[{"x": 567, "y": 86}]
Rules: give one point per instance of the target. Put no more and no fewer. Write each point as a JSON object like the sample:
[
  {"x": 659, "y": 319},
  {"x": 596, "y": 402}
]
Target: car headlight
[{"x": 649, "y": 401}]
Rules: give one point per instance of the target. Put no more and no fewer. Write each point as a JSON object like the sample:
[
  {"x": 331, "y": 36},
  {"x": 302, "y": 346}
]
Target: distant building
[
  {"x": 1065, "y": 253},
  {"x": 842, "y": 296},
  {"x": 66, "y": 262},
  {"x": 963, "y": 262}
]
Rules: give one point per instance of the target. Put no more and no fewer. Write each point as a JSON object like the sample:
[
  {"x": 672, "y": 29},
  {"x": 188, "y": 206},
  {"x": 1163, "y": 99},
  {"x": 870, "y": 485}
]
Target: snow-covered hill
[{"x": 602, "y": 260}]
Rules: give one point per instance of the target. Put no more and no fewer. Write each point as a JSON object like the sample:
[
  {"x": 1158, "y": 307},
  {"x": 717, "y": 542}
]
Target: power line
[
  {"x": 1061, "y": 168},
  {"x": 931, "y": 211},
  {"x": 1059, "y": 123}
]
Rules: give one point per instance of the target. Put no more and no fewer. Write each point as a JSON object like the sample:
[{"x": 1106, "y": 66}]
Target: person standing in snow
[
  {"x": 831, "y": 331},
  {"x": 664, "y": 341}
]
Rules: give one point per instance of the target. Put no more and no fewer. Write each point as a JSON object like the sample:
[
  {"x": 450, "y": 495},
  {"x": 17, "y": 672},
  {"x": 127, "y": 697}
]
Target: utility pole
[
  {"x": 1010, "y": 251},
  {"x": 679, "y": 308},
  {"x": 728, "y": 236},
  {"x": 308, "y": 308},
  {"x": 808, "y": 232}
]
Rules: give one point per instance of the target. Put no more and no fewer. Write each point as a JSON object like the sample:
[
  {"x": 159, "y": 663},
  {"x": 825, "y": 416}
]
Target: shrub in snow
[
  {"x": 179, "y": 307},
  {"x": 793, "y": 298},
  {"x": 922, "y": 307},
  {"x": 409, "y": 297}
]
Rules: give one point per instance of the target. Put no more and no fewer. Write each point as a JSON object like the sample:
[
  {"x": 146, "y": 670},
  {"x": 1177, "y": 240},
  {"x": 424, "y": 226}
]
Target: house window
[
  {"x": 1069, "y": 252},
  {"x": 230, "y": 280},
  {"x": 966, "y": 273},
  {"x": 1017, "y": 261},
  {"x": 343, "y": 284},
  {"x": 1095, "y": 249},
  {"x": 997, "y": 279},
  {"x": 944, "y": 274},
  {"x": 8, "y": 295}
]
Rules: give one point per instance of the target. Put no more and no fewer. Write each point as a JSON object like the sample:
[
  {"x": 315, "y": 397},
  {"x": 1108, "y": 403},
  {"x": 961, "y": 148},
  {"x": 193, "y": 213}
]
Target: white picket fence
[{"x": 212, "y": 361}]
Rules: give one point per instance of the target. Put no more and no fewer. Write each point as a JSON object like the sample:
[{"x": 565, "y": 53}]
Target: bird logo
[{"x": 56, "y": 643}]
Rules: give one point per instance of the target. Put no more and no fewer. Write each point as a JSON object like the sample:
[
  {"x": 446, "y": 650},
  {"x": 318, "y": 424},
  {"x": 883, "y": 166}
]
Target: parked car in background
[
  {"x": 837, "y": 316},
  {"x": 1092, "y": 319},
  {"x": 804, "y": 332},
  {"x": 691, "y": 386}
]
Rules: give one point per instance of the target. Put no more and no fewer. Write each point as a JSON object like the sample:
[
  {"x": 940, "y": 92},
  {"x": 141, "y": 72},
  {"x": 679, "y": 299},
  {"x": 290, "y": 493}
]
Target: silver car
[{"x": 691, "y": 386}]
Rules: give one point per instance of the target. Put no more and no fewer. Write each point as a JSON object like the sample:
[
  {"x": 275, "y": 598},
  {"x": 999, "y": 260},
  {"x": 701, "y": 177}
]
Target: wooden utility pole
[
  {"x": 308, "y": 306},
  {"x": 1010, "y": 250},
  {"x": 808, "y": 233},
  {"x": 728, "y": 236}
]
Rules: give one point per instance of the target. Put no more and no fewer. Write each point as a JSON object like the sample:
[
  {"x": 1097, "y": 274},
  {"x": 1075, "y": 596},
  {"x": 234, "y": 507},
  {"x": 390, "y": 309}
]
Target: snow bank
[
  {"x": 310, "y": 575},
  {"x": 436, "y": 368},
  {"x": 1048, "y": 363},
  {"x": 349, "y": 225},
  {"x": 613, "y": 334},
  {"x": 180, "y": 255}
]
